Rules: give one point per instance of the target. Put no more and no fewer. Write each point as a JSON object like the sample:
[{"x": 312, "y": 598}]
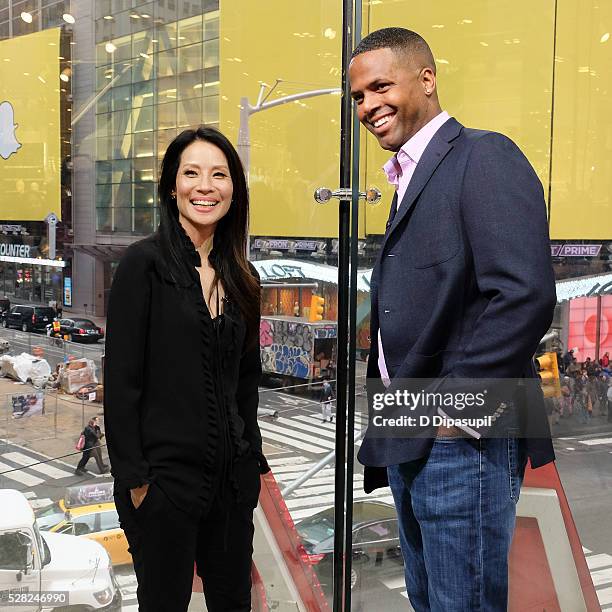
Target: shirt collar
[{"x": 413, "y": 149}]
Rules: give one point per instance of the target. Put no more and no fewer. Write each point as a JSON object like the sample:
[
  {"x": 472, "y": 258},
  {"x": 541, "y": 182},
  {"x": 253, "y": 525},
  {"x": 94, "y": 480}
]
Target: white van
[{"x": 50, "y": 571}]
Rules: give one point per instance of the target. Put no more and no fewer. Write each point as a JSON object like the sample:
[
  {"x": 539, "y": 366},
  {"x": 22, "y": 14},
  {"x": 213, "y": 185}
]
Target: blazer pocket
[{"x": 434, "y": 237}]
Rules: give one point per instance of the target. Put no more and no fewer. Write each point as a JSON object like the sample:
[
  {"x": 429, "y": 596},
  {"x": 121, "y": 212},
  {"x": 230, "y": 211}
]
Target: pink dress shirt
[{"x": 399, "y": 170}]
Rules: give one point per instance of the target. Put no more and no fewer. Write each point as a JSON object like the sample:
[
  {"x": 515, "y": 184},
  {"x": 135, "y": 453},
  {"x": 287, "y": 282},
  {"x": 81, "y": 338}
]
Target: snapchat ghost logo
[{"x": 8, "y": 142}]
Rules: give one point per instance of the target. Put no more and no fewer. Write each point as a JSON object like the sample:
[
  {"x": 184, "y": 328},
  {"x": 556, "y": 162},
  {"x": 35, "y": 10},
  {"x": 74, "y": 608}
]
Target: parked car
[
  {"x": 29, "y": 318},
  {"x": 88, "y": 511},
  {"x": 376, "y": 546},
  {"x": 77, "y": 329}
]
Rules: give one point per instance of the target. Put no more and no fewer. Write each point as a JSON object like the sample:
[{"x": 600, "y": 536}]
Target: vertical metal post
[
  {"x": 343, "y": 299},
  {"x": 350, "y": 450}
]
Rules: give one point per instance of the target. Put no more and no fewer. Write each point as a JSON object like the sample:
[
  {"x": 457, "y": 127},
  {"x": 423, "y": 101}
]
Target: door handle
[{"x": 323, "y": 195}]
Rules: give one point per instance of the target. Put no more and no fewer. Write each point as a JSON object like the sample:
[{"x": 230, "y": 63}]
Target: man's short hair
[{"x": 399, "y": 40}]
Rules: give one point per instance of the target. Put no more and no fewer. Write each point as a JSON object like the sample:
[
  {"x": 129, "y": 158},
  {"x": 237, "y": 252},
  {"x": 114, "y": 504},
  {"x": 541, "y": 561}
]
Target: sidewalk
[{"x": 53, "y": 433}]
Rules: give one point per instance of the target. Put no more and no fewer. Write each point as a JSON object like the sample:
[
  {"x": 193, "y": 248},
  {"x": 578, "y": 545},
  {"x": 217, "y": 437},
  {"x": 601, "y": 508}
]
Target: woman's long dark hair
[{"x": 228, "y": 256}]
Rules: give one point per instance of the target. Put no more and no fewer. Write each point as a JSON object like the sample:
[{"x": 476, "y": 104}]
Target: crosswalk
[
  {"x": 304, "y": 432},
  {"x": 317, "y": 493},
  {"x": 21, "y": 468},
  {"x": 601, "y": 442},
  {"x": 600, "y": 566}
]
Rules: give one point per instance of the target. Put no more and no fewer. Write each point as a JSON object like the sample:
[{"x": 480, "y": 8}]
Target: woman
[
  {"x": 93, "y": 434},
  {"x": 182, "y": 369}
]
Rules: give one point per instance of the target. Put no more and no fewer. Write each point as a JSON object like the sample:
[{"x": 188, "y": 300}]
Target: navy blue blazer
[{"x": 463, "y": 287}]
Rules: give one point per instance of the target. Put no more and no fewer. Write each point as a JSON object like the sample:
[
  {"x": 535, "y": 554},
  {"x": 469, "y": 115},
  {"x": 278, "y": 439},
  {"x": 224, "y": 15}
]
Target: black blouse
[{"x": 180, "y": 408}]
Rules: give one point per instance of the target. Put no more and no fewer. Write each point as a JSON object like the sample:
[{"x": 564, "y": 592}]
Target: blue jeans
[{"x": 457, "y": 512}]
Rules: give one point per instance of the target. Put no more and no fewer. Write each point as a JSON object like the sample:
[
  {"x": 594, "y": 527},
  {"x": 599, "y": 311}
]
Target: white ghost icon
[{"x": 8, "y": 142}]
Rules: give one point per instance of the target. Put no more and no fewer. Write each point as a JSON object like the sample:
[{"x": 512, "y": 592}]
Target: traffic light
[
  {"x": 549, "y": 374},
  {"x": 316, "y": 308}
]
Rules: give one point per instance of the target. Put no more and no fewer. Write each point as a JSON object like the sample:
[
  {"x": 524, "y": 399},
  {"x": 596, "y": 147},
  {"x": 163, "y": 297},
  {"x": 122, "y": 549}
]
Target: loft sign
[{"x": 281, "y": 271}]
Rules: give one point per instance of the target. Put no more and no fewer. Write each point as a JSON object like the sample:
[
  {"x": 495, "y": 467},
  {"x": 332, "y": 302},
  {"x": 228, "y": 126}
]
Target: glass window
[
  {"x": 103, "y": 172},
  {"x": 109, "y": 520},
  {"x": 166, "y": 115},
  {"x": 103, "y": 105},
  {"x": 52, "y": 16},
  {"x": 104, "y": 148},
  {"x": 190, "y": 58},
  {"x": 144, "y": 170},
  {"x": 124, "y": 49},
  {"x": 142, "y": 93},
  {"x": 103, "y": 124},
  {"x": 144, "y": 194},
  {"x": 122, "y": 169},
  {"x": 84, "y": 524},
  {"x": 103, "y": 196},
  {"x": 191, "y": 84},
  {"x": 211, "y": 25},
  {"x": 190, "y": 30},
  {"x": 121, "y": 97},
  {"x": 123, "y": 219},
  {"x": 211, "y": 53},
  {"x": 211, "y": 81},
  {"x": 122, "y": 146},
  {"x": 210, "y": 110},
  {"x": 121, "y": 122},
  {"x": 103, "y": 219},
  {"x": 104, "y": 75},
  {"x": 189, "y": 112},
  {"x": 167, "y": 36},
  {"x": 164, "y": 137},
  {"x": 166, "y": 63},
  {"x": 166, "y": 89},
  {"x": 13, "y": 550},
  {"x": 141, "y": 43},
  {"x": 142, "y": 118},
  {"x": 143, "y": 220},
  {"x": 143, "y": 144}
]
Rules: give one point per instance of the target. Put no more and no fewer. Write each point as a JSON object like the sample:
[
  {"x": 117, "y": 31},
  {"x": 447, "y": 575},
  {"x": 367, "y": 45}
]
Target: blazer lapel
[
  {"x": 434, "y": 153},
  {"x": 392, "y": 212}
]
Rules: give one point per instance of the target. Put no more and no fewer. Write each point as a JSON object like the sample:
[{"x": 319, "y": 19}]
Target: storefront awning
[
  {"x": 585, "y": 286},
  {"x": 286, "y": 269},
  {"x": 105, "y": 252}
]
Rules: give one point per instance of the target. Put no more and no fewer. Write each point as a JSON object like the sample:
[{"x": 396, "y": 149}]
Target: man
[
  {"x": 326, "y": 400},
  {"x": 463, "y": 289}
]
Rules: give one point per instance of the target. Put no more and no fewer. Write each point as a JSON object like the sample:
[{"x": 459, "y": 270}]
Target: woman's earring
[{"x": 173, "y": 196}]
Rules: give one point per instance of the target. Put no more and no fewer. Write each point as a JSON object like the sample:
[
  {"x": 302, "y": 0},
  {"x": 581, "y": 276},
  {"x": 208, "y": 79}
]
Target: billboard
[{"x": 30, "y": 127}]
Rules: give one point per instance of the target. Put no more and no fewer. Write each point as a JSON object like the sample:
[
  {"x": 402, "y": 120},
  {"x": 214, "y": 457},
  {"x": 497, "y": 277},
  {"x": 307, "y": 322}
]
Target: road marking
[
  {"x": 43, "y": 468},
  {"x": 605, "y": 596},
  {"x": 602, "y": 576},
  {"x": 19, "y": 476},
  {"x": 40, "y": 503},
  {"x": 395, "y": 583},
  {"x": 596, "y": 441},
  {"x": 597, "y": 561},
  {"x": 287, "y": 460},
  {"x": 296, "y": 439}
]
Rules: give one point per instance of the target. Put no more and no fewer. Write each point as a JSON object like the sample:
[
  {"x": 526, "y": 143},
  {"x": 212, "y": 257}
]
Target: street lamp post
[{"x": 247, "y": 109}]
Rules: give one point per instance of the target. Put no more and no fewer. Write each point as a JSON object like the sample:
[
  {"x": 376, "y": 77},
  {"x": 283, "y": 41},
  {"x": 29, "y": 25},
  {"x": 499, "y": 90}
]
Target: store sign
[
  {"x": 285, "y": 244},
  {"x": 276, "y": 271},
  {"x": 15, "y": 250},
  {"x": 575, "y": 250}
]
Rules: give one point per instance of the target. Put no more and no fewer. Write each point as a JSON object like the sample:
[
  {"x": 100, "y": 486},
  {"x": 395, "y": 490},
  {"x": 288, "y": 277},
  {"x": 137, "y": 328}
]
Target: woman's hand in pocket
[{"x": 138, "y": 495}]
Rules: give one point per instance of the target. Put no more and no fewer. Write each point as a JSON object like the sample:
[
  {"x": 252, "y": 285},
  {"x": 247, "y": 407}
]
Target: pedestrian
[
  {"x": 93, "y": 434},
  {"x": 609, "y": 395},
  {"x": 326, "y": 400},
  {"x": 181, "y": 401},
  {"x": 605, "y": 360},
  {"x": 296, "y": 309},
  {"x": 463, "y": 289}
]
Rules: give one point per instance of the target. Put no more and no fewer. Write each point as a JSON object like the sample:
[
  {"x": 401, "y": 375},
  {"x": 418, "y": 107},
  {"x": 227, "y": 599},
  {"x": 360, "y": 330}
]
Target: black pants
[
  {"x": 94, "y": 452},
  {"x": 165, "y": 542}
]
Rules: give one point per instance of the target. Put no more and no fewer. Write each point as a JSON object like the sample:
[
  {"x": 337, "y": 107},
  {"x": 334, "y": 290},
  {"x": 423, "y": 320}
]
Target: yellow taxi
[{"x": 88, "y": 511}]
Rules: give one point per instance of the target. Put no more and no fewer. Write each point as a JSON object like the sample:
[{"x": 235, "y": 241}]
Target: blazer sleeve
[
  {"x": 247, "y": 397},
  {"x": 504, "y": 218},
  {"x": 126, "y": 339}
]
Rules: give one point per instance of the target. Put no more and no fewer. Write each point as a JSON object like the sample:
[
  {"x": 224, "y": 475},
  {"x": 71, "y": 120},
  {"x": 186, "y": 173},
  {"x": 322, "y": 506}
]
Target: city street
[{"x": 297, "y": 440}]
